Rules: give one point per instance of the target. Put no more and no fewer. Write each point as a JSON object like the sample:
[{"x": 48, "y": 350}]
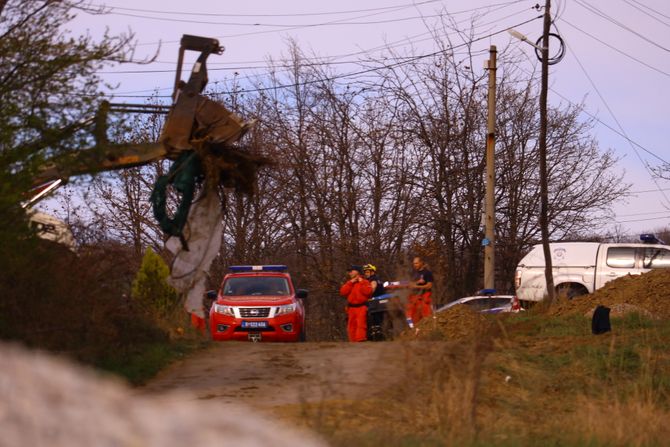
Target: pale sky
[{"x": 617, "y": 58}]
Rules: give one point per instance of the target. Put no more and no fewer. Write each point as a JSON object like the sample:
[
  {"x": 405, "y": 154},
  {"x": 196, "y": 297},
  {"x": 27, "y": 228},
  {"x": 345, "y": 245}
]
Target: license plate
[{"x": 255, "y": 324}]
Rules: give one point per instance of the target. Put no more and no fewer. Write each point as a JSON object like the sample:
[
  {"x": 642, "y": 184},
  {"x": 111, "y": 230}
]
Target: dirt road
[{"x": 268, "y": 375}]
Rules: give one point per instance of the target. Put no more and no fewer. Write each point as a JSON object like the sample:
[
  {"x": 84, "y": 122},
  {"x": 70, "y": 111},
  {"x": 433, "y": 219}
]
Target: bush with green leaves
[{"x": 150, "y": 289}]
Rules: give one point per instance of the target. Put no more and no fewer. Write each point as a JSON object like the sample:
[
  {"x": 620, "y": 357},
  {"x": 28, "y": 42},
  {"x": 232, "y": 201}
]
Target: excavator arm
[{"x": 192, "y": 121}]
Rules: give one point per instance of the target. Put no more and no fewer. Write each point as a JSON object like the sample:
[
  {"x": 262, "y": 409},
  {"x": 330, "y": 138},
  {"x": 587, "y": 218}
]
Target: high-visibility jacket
[{"x": 356, "y": 293}]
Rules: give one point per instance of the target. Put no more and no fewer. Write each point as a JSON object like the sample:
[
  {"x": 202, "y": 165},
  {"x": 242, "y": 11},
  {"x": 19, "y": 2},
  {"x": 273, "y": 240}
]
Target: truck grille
[{"x": 254, "y": 312}]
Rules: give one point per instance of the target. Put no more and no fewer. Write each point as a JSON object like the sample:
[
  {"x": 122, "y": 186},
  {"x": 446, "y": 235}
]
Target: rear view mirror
[
  {"x": 211, "y": 294},
  {"x": 301, "y": 293}
]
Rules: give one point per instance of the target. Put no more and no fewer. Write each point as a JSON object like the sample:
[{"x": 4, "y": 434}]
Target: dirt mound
[
  {"x": 455, "y": 323},
  {"x": 647, "y": 294}
]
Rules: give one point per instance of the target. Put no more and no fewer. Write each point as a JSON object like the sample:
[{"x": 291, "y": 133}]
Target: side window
[
  {"x": 477, "y": 304},
  {"x": 621, "y": 257},
  {"x": 487, "y": 303},
  {"x": 656, "y": 258}
]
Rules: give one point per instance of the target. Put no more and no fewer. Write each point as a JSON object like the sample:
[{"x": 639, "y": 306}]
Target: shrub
[{"x": 150, "y": 289}]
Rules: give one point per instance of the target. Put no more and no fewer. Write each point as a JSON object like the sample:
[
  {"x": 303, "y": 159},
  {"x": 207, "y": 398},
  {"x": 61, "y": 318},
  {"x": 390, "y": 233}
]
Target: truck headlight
[
  {"x": 285, "y": 309},
  {"x": 224, "y": 310}
]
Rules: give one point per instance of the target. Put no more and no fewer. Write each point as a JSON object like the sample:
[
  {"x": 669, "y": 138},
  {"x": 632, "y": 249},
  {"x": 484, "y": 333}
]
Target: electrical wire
[
  {"x": 643, "y": 214},
  {"x": 648, "y": 190},
  {"x": 304, "y": 14},
  {"x": 651, "y": 9},
  {"x": 603, "y": 123},
  {"x": 601, "y": 14},
  {"x": 408, "y": 41},
  {"x": 611, "y": 112},
  {"x": 496, "y": 6},
  {"x": 413, "y": 41},
  {"x": 642, "y": 220},
  {"x": 368, "y": 70},
  {"x": 646, "y": 13},
  {"x": 333, "y": 59},
  {"x": 658, "y": 70},
  {"x": 553, "y": 60},
  {"x": 280, "y": 25}
]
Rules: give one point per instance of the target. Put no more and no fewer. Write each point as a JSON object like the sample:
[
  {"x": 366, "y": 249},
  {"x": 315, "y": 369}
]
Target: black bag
[{"x": 600, "y": 323}]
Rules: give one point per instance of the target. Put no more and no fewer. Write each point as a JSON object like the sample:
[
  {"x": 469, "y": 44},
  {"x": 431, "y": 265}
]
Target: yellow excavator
[{"x": 198, "y": 132}]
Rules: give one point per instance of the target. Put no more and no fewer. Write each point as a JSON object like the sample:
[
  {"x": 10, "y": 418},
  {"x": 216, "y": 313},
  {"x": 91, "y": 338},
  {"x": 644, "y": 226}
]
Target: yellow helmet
[{"x": 370, "y": 267}]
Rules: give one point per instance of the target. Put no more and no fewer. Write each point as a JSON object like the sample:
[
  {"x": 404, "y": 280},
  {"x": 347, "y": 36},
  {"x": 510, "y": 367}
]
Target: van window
[
  {"x": 621, "y": 257},
  {"x": 656, "y": 258}
]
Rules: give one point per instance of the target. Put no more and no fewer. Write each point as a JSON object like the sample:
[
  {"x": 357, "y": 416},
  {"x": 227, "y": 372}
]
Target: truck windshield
[{"x": 256, "y": 285}]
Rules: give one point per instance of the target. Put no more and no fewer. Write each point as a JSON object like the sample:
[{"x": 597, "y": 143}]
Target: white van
[
  {"x": 582, "y": 267},
  {"x": 51, "y": 228}
]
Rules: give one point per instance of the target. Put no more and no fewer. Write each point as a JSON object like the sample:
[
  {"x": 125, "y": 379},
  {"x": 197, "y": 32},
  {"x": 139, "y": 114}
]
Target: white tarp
[{"x": 202, "y": 233}]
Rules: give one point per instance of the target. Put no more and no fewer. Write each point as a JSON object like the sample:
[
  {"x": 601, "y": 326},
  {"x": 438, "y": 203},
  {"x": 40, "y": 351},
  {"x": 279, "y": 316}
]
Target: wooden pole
[
  {"x": 490, "y": 222},
  {"x": 544, "y": 187}
]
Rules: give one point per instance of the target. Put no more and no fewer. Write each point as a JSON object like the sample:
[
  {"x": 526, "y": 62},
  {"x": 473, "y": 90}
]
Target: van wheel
[{"x": 571, "y": 291}]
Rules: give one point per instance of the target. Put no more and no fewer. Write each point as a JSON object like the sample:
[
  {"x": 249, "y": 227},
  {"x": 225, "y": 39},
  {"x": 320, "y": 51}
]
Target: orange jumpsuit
[
  {"x": 357, "y": 294},
  {"x": 419, "y": 303},
  {"x": 419, "y": 306}
]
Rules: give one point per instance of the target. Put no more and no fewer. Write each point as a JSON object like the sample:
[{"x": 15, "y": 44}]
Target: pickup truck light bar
[
  {"x": 257, "y": 268},
  {"x": 649, "y": 238}
]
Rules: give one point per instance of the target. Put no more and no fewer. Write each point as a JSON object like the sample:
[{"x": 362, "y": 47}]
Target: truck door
[{"x": 615, "y": 262}]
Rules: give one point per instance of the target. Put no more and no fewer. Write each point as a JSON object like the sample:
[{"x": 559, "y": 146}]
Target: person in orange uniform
[
  {"x": 419, "y": 303},
  {"x": 357, "y": 290}
]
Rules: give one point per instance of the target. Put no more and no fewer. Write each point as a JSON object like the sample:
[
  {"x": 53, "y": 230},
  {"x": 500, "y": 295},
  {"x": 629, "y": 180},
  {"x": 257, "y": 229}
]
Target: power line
[
  {"x": 242, "y": 67},
  {"x": 648, "y": 190},
  {"x": 616, "y": 49},
  {"x": 642, "y": 220},
  {"x": 651, "y": 9},
  {"x": 369, "y": 70},
  {"x": 594, "y": 117},
  {"x": 316, "y": 64},
  {"x": 646, "y": 13},
  {"x": 599, "y": 13},
  {"x": 304, "y": 14},
  {"x": 413, "y": 39},
  {"x": 407, "y": 41},
  {"x": 280, "y": 25},
  {"x": 495, "y": 6},
  {"x": 642, "y": 214},
  {"x": 609, "y": 109}
]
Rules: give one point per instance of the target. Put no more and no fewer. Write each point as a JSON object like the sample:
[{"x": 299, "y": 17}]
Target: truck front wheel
[{"x": 571, "y": 290}]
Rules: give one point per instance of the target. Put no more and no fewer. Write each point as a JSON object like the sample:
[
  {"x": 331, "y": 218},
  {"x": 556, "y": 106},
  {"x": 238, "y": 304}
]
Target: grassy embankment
[{"x": 528, "y": 379}]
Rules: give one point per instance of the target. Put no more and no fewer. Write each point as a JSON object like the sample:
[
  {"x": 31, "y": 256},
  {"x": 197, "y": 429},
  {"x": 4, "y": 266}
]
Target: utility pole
[
  {"x": 544, "y": 188},
  {"x": 490, "y": 222}
]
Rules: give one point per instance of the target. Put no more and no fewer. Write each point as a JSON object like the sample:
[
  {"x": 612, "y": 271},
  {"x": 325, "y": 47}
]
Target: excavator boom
[{"x": 192, "y": 120}]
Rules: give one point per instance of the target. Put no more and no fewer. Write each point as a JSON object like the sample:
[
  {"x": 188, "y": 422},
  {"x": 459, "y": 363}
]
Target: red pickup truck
[{"x": 258, "y": 302}]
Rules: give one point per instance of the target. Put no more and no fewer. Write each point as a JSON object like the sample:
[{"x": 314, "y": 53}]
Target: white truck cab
[{"x": 582, "y": 267}]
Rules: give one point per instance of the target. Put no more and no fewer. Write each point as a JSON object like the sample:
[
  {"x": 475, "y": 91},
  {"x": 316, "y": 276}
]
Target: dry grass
[
  {"x": 530, "y": 380},
  {"x": 637, "y": 421}
]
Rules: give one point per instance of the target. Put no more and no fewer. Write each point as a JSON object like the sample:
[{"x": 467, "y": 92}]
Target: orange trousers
[
  {"x": 199, "y": 323},
  {"x": 357, "y": 323},
  {"x": 419, "y": 307}
]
